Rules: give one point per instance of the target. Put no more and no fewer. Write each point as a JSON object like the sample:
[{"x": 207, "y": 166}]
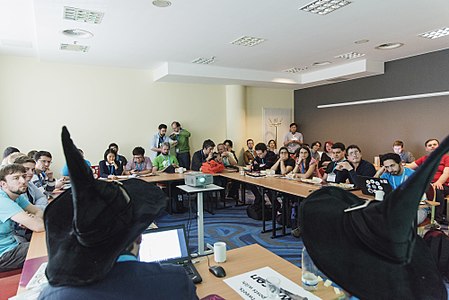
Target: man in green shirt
[
  {"x": 165, "y": 159},
  {"x": 180, "y": 136}
]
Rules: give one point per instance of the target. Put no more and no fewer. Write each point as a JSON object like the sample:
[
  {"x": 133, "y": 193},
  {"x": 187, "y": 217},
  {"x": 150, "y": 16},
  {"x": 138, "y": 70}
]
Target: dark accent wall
[{"x": 374, "y": 127}]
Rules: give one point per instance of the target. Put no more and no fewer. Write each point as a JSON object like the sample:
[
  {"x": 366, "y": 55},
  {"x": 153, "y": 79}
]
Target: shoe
[{"x": 296, "y": 232}]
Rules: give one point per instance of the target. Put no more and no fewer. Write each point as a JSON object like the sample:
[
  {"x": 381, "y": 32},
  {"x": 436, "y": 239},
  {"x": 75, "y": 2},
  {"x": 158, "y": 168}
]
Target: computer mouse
[{"x": 217, "y": 271}]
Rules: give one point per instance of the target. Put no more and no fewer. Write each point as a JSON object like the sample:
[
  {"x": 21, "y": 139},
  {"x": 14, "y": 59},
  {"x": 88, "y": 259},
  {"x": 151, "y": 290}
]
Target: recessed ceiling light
[
  {"x": 361, "y": 41},
  {"x": 389, "y": 46},
  {"x": 295, "y": 69},
  {"x": 248, "y": 41},
  {"x": 323, "y": 7},
  {"x": 321, "y": 63},
  {"x": 350, "y": 55},
  {"x": 161, "y": 3},
  {"x": 204, "y": 61},
  {"x": 82, "y": 15},
  {"x": 74, "y": 47},
  {"x": 434, "y": 34},
  {"x": 78, "y": 33}
]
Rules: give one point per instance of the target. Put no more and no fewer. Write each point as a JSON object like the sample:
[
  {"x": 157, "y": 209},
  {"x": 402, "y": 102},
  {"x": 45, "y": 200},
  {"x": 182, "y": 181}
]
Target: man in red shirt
[{"x": 441, "y": 179}]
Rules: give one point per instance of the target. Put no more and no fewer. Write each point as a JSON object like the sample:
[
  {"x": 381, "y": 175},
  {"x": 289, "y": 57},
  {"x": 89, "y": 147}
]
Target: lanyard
[
  {"x": 111, "y": 170},
  {"x": 161, "y": 140},
  {"x": 139, "y": 166},
  {"x": 401, "y": 181},
  {"x": 303, "y": 167}
]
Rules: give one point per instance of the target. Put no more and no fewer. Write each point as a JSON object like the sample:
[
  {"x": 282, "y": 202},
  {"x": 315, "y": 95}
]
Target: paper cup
[{"x": 220, "y": 252}]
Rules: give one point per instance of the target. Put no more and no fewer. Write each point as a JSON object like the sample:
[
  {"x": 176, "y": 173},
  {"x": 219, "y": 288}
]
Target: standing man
[
  {"x": 158, "y": 139},
  {"x": 355, "y": 165},
  {"x": 334, "y": 173},
  {"x": 440, "y": 180},
  {"x": 406, "y": 156},
  {"x": 203, "y": 155},
  {"x": 249, "y": 155},
  {"x": 43, "y": 177},
  {"x": 180, "y": 136},
  {"x": 14, "y": 207},
  {"x": 140, "y": 165},
  {"x": 293, "y": 140}
]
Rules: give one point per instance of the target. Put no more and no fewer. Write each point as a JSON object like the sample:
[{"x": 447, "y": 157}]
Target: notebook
[
  {"x": 370, "y": 185},
  {"x": 168, "y": 245}
]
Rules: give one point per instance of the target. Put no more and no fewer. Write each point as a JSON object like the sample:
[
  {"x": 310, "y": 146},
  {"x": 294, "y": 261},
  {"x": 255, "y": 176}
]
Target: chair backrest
[{"x": 96, "y": 171}]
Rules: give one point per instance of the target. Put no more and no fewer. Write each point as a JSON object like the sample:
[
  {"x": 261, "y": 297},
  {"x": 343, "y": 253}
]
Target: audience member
[
  {"x": 31, "y": 153},
  {"x": 293, "y": 139},
  {"x": 326, "y": 156},
  {"x": 165, "y": 159},
  {"x": 9, "y": 150},
  {"x": 140, "y": 165},
  {"x": 249, "y": 155},
  {"x": 119, "y": 157},
  {"x": 65, "y": 170},
  {"x": 440, "y": 180},
  {"x": 225, "y": 157},
  {"x": 43, "y": 176},
  {"x": 229, "y": 147},
  {"x": 14, "y": 207},
  {"x": 272, "y": 146},
  {"x": 181, "y": 136},
  {"x": 158, "y": 139},
  {"x": 306, "y": 165},
  {"x": 284, "y": 164},
  {"x": 334, "y": 173},
  {"x": 10, "y": 158},
  {"x": 314, "y": 150},
  {"x": 203, "y": 155},
  {"x": 110, "y": 166},
  {"x": 406, "y": 156},
  {"x": 93, "y": 239},
  {"x": 355, "y": 165}
]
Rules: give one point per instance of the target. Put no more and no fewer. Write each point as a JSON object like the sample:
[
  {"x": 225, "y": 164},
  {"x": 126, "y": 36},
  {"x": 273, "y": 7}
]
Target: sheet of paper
[{"x": 249, "y": 286}]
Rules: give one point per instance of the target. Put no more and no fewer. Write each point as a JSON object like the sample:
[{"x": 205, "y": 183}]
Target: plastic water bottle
[{"x": 309, "y": 272}]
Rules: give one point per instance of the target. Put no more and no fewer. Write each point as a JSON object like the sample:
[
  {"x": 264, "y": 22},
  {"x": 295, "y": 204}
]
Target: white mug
[
  {"x": 379, "y": 195},
  {"x": 220, "y": 252}
]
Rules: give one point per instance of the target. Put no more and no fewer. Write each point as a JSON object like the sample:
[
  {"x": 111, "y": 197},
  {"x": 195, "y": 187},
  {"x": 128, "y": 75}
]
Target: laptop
[
  {"x": 168, "y": 245},
  {"x": 370, "y": 185}
]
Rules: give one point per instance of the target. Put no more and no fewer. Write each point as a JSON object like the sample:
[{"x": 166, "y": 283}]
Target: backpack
[
  {"x": 254, "y": 211},
  {"x": 438, "y": 242}
]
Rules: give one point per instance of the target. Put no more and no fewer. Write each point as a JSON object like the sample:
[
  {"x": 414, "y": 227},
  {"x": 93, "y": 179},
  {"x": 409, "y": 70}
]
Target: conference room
[{"x": 116, "y": 77}]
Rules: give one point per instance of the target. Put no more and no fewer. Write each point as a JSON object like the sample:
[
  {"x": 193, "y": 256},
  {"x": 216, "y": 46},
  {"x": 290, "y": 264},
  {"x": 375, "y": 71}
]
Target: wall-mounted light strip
[{"x": 408, "y": 97}]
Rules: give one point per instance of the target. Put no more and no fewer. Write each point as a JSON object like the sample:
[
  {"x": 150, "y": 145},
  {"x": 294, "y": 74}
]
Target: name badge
[
  {"x": 331, "y": 177},
  {"x": 177, "y": 150}
]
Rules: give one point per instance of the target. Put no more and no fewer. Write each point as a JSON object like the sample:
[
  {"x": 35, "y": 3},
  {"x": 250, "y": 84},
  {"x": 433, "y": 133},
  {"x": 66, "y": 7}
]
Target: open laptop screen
[{"x": 164, "y": 245}]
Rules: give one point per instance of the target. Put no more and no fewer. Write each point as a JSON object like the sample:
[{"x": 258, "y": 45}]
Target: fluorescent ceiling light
[
  {"x": 82, "y": 15},
  {"x": 204, "y": 61},
  {"x": 381, "y": 100},
  {"x": 434, "y": 34},
  {"x": 248, "y": 41},
  {"x": 350, "y": 55},
  {"x": 323, "y": 7}
]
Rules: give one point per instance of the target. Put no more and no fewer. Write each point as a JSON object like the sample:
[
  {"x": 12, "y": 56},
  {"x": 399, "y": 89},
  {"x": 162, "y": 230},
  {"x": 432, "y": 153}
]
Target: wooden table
[{"x": 245, "y": 259}]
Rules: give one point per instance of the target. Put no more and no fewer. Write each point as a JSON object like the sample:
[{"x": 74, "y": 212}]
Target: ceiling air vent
[
  {"x": 74, "y": 47},
  {"x": 82, "y": 15}
]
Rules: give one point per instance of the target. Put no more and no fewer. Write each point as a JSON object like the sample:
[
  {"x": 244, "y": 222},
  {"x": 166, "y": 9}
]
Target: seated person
[
  {"x": 203, "y": 155},
  {"x": 120, "y": 158},
  {"x": 334, "y": 173},
  {"x": 355, "y": 165},
  {"x": 43, "y": 176},
  {"x": 229, "y": 145},
  {"x": 314, "y": 150},
  {"x": 165, "y": 159},
  {"x": 14, "y": 207},
  {"x": 227, "y": 157},
  {"x": 65, "y": 170},
  {"x": 224, "y": 156},
  {"x": 396, "y": 174},
  {"x": 110, "y": 167},
  {"x": 272, "y": 146},
  {"x": 140, "y": 165},
  {"x": 406, "y": 156},
  {"x": 250, "y": 153},
  {"x": 306, "y": 165},
  {"x": 284, "y": 163},
  {"x": 326, "y": 157}
]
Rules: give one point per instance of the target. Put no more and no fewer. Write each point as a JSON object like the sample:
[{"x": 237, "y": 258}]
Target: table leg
[
  {"x": 170, "y": 199},
  {"x": 200, "y": 224}
]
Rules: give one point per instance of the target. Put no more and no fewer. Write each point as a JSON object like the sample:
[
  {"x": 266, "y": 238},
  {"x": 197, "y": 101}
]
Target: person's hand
[
  {"x": 112, "y": 177},
  {"x": 344, "y": 165},
  {"x": 134, "y": 172},
  {"x": 437, "y": 185},
  {"x": 49, "y": 174},
  {"x": 298, "y": 160}
]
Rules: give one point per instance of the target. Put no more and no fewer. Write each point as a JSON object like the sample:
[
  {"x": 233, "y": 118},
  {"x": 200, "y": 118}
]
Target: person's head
[
  {"x": 293, "y": 127},
  {"x": 31, "y": 153},
  {"x": 303, "y": 152},
  {"x": 13, "y": 180},
  {"x": 10, "y": 158},
  {"x": 165, "y": 148},
  {"x": 29, "y": 165},
  {"x": 229, "y": 144},
  {"x": 354, "y": 154},
  {"x": 221, "y": 148},
  {"x": 114, "y": 147},
  {"x": 138, "y": 155},
  {"x": 271, "y": 144},
  {"x": 208, "y": 146},
  {"x": 9, "y": 150},
  {"x": 110, "y": 156},
  {"x": 261, "y": 150},
  {"x": 391, "y": 163},
  {"x": 176, "y": 126},
  {"x": 431, "y": 145},
  {"x": 316, "y": 146},
  {"x": 283, "y": 153},
  {"x": 43, "y": 160},
  {"x": 162, "y": 129},
  {"x": 398, "y": 147},
  {"x": 250, "y": 144},
  {"x": 328, "y": 146},
  {"x": 338, "y": 151}
]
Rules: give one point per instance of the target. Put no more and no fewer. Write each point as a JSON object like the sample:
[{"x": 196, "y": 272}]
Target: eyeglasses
[{"x": 354, "y": 153}]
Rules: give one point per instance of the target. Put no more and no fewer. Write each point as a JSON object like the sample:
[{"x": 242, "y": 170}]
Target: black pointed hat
[
  {"x": 88, "y": 226},
  {"x": 374, "y": 252}
]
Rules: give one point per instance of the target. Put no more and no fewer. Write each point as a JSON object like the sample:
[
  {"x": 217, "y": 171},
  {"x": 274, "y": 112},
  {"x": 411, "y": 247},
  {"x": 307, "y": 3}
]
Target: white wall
[{"x": 102, "y": 105}]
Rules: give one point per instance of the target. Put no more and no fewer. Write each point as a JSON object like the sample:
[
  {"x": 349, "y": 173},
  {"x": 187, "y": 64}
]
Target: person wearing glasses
[
  {"x": 140, "y": 164},
  {"x": 355, "y": 165},
  {"x": 285, "y": 163},
  {"x": 43, "y": 176}
]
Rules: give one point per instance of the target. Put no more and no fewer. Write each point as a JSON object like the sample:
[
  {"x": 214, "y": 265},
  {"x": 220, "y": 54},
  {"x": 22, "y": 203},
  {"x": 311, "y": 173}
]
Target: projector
[{"x": 198, "y": 179}]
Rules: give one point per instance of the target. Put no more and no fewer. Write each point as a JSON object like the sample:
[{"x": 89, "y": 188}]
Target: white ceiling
[{"x": 136, "y": 34}]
